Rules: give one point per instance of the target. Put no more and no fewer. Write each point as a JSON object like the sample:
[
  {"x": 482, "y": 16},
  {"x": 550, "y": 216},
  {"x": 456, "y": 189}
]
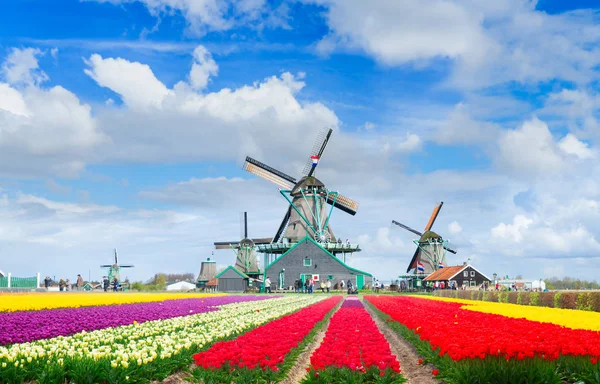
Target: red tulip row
[
  {"x": 353, "y": 340},
  {"x": 463, "y": 334},
  {"x": 266, "y": 347}
]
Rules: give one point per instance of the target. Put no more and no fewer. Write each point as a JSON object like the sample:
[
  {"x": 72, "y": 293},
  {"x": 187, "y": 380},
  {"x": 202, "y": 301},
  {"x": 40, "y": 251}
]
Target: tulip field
[{"x": 319, "y": 338}]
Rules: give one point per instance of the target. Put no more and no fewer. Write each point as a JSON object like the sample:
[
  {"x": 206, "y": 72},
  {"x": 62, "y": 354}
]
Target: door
[
  {"x": 360, "y": 281},
  {"x": 303, "y": 278}
]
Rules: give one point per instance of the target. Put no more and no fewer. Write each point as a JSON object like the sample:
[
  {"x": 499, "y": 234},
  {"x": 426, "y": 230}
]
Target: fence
[{"x": 20, "y": 282}]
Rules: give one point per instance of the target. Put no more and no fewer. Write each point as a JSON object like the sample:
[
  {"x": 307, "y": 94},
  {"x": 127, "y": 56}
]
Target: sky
[{"x": 125, "y": 123}]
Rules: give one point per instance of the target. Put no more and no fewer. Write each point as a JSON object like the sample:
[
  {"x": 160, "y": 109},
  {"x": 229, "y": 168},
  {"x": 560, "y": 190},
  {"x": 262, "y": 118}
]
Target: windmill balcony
[{"x": 331, "y": 247}]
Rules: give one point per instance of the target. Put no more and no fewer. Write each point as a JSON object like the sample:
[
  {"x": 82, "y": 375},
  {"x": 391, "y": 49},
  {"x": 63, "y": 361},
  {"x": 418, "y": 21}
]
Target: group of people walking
[{"x": 65, "y": 284}]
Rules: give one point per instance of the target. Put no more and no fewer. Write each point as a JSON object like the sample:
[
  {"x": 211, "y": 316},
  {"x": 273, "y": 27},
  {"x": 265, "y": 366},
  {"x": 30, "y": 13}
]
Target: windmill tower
[
  {"x": 311, "y": 204},
  {"x": 115, "y": 269},
  {"x": 246, "y": 260},
  {"x": 430, "y": 254}
]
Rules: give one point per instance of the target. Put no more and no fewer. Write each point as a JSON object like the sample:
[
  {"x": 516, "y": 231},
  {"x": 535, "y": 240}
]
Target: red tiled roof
[{"x": 444, "y": 274}]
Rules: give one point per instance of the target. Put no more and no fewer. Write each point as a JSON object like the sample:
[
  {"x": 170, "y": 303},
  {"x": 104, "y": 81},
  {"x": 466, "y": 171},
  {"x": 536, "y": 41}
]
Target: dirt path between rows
[
  {"x": 405, "y": 353},
  {"x": 297, "y": 373}
]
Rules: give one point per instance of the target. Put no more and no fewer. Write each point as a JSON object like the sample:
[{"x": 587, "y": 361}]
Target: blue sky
[{"x": 470, "y": 103}]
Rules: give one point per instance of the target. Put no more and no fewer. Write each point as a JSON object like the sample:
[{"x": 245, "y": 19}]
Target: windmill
[
  {"x": 430, "y": 254},
  {"x": 245, "y": 250},
  {"x": 308, "y": 213},
  {"x": 114, "y": 269}
]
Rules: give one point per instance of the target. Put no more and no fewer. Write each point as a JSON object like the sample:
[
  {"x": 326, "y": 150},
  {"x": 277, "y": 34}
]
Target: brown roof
[
  {"x": 212, "y": 282},
  {"x": 444, "y": 274}
]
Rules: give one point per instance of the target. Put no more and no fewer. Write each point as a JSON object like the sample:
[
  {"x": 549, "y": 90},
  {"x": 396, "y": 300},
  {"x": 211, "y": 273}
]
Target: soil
[
  {"x": 405, "y": 353},
  {"x": 176, "y": 378}
]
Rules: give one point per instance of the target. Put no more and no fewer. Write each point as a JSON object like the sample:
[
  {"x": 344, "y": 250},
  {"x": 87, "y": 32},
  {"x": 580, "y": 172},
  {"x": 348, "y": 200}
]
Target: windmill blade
[
  {"x": 116, "y": 261},
  {"x": 344, "y": 203},
  {"x": 450, "y": 250},
  {"x": 263, "y": 240},
  {"x": 407, "y": 228},
  {"x": 126, "y": 266},
  {"x": 434, "y": 216},
  {"x": 271, "y": 174},
  {"x": 226, "y": 244},
  {"x": 283, "y": 225},
  {"x": 105, "y": 266},
  {"x": 317, "y": 150},
  {"x": 413, "y": 261}
]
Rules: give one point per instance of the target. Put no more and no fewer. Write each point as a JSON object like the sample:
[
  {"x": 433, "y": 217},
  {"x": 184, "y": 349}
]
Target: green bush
[{"x": 557, "y": 300}]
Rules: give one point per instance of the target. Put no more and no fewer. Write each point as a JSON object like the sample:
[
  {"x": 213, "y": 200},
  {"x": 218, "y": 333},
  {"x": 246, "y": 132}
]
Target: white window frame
[
  {"x": 466, "y": 273},
  {"x": 473, "y": 283},
  {"x": 472, "y": 273}
]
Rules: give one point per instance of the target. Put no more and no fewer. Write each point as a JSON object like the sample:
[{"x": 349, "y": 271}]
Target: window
[
  {"x": 466, "y": 273},
  {"x": 472, "y": 273},
  {"x": 307, "y": 262},
  {"x": 473, "y": 283},
  {"x": 329, "y": 277}
]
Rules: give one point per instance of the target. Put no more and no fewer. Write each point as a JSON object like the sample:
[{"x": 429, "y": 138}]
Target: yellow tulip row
[
  {"x": 36, "y": 301},
  {"x": 570, "y": 318}
]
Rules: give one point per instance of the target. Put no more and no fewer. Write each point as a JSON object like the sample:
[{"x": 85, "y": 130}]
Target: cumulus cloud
[
  {"x": 43, "y": 130},
  {"x": 134, "y": 82},
  {"x": 203, "y": 67},
  {"x": 454, "y": 227},
  {"x": 21, "y": 67},
  {"x": 486, "y": 43}
]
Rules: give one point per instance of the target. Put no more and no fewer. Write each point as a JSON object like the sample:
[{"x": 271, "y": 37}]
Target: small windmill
[
  {"x": 430, "y": 254},
  {"x": 114, "y": 269},
  {"x": 245, "y": 250},
  {"x": 307, "y": 213}
]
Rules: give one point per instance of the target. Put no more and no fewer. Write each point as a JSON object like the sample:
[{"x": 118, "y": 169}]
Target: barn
[
  {"x": 465, "y": 275},
  {"x": 306, "y": 259},
  {"x": 232, "y": 280}
]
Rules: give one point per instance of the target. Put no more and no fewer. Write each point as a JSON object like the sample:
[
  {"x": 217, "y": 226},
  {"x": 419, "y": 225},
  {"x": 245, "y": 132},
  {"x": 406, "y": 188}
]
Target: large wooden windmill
[
  {"x": 245, "y": 250},
  {"x": 115, "y": 269},
  {"x": 311, "y": 204},
  {"x": 430, "y": 254}
]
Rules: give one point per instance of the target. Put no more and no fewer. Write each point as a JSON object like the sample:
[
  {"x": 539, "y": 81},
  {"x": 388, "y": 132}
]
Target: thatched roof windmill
[
  {"x": 430, "y": 254},
  {"x": 115, "y": 269},
  {"x": 245, "y": 250},
  {"x": 308, "y": 213}
]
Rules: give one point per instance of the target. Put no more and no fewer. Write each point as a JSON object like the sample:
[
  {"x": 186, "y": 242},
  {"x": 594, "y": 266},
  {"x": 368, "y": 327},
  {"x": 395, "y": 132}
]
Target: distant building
[
  {"x": 462, "y": 275},
  {"x": 232, "y": 280},
  {"x": 181, "y": 286},
  {"x": 308, "y": 259}
]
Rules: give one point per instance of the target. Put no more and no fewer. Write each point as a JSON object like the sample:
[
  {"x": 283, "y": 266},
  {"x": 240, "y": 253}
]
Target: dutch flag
[
  {"x": 420, "y": 267},
  {"x": 315, "y": 160},
  {"x": 440, "y": 265}
]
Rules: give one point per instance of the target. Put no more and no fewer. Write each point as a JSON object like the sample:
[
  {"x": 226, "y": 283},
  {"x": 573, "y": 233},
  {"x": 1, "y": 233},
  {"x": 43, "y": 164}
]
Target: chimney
[{"x": 464, "y": 263}]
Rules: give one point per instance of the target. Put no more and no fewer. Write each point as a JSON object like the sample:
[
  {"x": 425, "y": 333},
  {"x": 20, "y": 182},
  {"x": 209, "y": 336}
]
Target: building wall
[
  {"x": 322, "y": 264},
  {"x": 473, "y": 276},
  {"x": 232, "y": 285}
]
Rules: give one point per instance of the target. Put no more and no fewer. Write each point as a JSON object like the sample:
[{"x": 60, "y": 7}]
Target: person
[
  {"x": 328, "y": 285},
  {"x": 105, "y": 283},
  {"x": 268, "y": 285},
  {"x": 349, "y": 284},
  {"x": 115, "y": 284},
  {"x": 342, "y": 285},
  {"x": 381, "y": 287},
  {"x": 306, "y": 282},
  {"x": 47, "y": 281},
  {"x": 68, "y": 283},
  {"x": 79, "y": 283},
  {"x": 311, "y": 285},
  {"x": 377, "y": 286},
  {"x": 323, "y": 286},
  {"x": 61, "y": 284}
]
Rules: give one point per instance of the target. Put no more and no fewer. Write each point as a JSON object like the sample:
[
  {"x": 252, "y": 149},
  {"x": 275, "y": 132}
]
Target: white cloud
[
  {"x": 460, "y": 128},
  {"x": 204, "y": 16},
  {"x": 399, "y": 32},
  {"x": 43, "y": 130},
  {"x": 410, "y": 144},
  {"x": 514, "y": 231},
  {"x": 369, "y": 126},
  {"x": 530, "y": 149},
  {"x": 21, "y": 67},
  {"x": 572, "y": 146},
  {"x": 486, "y": 43},
  {"x": 133, "y": 81},
  {"x": 203, "y": 67},
  {"x": 454, "y": 227}
]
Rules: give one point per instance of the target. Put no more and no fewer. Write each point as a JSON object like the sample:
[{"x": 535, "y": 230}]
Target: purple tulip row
[
  {"x": 20, "y": 327},
  {"x": 352, "y": 302}
]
